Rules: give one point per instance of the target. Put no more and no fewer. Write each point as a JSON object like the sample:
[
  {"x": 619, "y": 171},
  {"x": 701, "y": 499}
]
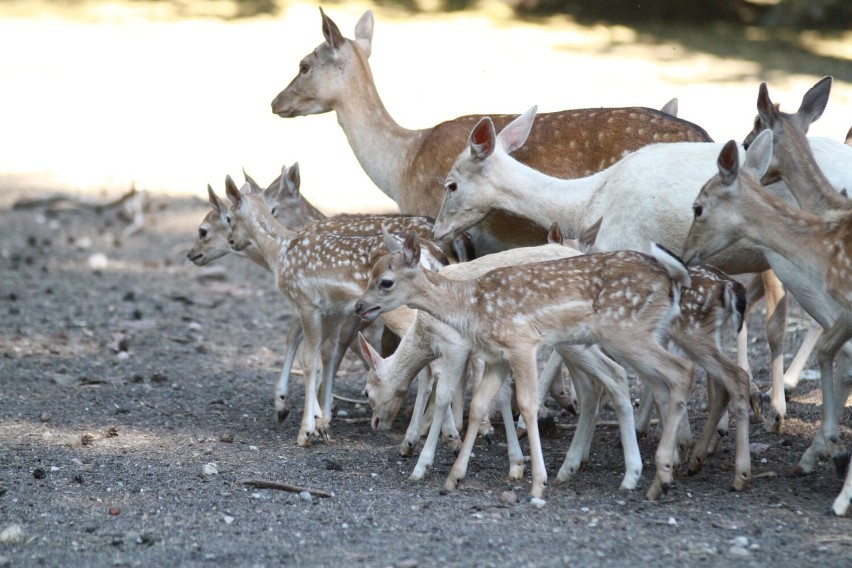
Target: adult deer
[
  {"x": 811, "y": 254},
  {"x": 646, "y": 195},
  {"x": 408, "y": 165}
]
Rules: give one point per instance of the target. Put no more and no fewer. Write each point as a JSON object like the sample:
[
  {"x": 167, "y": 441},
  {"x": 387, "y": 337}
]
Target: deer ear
[
  {"x": 364, "y": 32},
  {"x": 483, "y": 139},
  {"x": 255, "y": 188},
  {"x": 670, "y": 107},
  {"x": 589, "y": 235},
  {"x": 331, "y": 32},
  {"x": 291, "y": 180},
  {"x": 813, "y": 103},
  {"x": 392, "y": 242},
  {"x": 759, "y": 154},
  {"x": 411, "y": 250},
  {"x": 766, "y": 111},
  {"x": 214, "y": 200},
  {"x": 516, "y": 132},
  {"x": 729, "y": 161},
  {"x": 370, "y": 355},
  {"x": 232, "y": 192},
  {"x": 554, "y": 235}
]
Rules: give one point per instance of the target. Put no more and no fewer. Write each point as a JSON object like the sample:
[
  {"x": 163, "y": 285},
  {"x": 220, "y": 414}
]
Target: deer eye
[
  {"x": 451, "y": 186},
  {"x": 698, "y": 210},
  {"x": 202, "y": 233},
  {"x": 304, "y": 68},
  {"x": 385, "y": 283},
  {"x": 366, "y": 394},
  {"x": 274, "y": 210},
  {"x": 228, "y": 219}
]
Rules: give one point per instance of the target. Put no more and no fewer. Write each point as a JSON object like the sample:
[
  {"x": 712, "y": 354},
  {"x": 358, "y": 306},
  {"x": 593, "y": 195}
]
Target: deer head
[
  {"x": 477, "y": 168},
  {"x": 212, "y": 241},
  {"x": 321, "y": 80},
  {"x": 238, "y": 215},
  {"x": 718, "y": 210},
  {"x": 381, "y": 391},
  {"x": 390, "y": 280}
]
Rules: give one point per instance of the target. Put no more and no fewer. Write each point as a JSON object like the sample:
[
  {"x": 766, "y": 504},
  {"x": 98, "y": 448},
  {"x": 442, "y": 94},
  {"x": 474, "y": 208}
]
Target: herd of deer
[{"x": 639, "y": 188}]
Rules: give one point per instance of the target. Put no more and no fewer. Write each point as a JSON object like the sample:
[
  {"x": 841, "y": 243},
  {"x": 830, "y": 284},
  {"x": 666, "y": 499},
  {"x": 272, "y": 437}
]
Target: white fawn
[
  {"x": 623, "y": 301},
  {"x": 408, "y": 165},
  {"x": 811, "y": 254}
]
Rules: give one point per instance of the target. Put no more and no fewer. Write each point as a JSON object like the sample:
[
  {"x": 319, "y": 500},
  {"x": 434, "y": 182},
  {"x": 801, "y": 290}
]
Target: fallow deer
[
  {"x": 407, "y": 165},
  {"x": 811, "y": 254},
  {"x": 623, "y": 301}
]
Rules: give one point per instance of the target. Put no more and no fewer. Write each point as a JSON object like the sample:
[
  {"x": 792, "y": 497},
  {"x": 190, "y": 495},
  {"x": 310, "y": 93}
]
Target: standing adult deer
[
  {"x": 811, "y": 254},
  {"x": 408, "y": 165}
]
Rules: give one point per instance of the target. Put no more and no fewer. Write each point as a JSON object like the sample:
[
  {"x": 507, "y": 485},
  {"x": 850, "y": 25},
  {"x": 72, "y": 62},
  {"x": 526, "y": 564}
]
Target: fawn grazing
[
  {"x": 408, "y": 165},
  {"x": 623, "y": 301},
  {"x": 644, "y": 196},
  {"x": 429, "y": 338},
  {"x": 811, "y": 254},
  {"x": 321, "y": 274}
]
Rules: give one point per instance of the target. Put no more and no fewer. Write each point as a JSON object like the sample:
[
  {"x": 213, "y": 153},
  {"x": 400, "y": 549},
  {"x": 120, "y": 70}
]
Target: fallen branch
[
  {"x": 350, "y": 400},
  {"x": 264, "y": 484}
]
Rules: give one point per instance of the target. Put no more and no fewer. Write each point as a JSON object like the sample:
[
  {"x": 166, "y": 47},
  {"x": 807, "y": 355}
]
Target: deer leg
[
  {"x": 613, "y": 378},
  {"x": 722, "y": 419},
  {"x": 776, "y": 317},
  {"x": 282, "y": 387},
  {"x": 830, "y": 344},
  {"x": 415, "y": 426},
  {"x": 452, "y": 367},
  {"x": 516, "y": 454},
  {"x": 311, "y": 326},
  {"x": 525, "y": 373},
  {"x": 475, "y": 368},
  {"x": 646, "y": 409},
  {"x": 564, "y": 393},
  {"x": 492, "y": 379},
  {"x": 797, "y": 365},
  {"x": 588, "y": 394},
  {"x": 551, "y": 370},
  {"x": 841, "y": 503},
  {"x": 336, "y": 347}
]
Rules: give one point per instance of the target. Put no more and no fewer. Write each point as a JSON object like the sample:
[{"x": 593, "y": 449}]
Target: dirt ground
[{"x": 125, "y": 371}]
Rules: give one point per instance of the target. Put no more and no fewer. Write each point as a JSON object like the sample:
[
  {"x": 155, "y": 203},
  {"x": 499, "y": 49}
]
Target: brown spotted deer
[
  {"x": 811, "y": 254},
  {"x": 429, "y": 338},
  {"x": 322, "y": 274},
  {"x": 291, "y": 209},
  {"x": 408, "y": 165},
  {"x": 646, "y": 195},
  {"x": 622, "y": 301}
]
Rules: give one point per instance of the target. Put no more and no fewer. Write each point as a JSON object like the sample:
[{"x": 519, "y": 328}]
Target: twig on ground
[
  {"x": 599, "y": 425},
  {"x": 265, "y": 484},
  {"x": 350, "y": 400}
]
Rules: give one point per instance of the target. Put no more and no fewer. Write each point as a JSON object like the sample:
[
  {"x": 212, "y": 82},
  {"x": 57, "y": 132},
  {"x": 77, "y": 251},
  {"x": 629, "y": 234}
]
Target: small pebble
[
  {"x": 509, "y": 497},
  {"x": 537, "y": 502},
  {"x": 673, "y": 521},
  {"x": 306, "y": 496},
  {"x": 210, "y": 469},
  {"x": 13, "y": 534},
  {"x": 739, "y": 552},
  {"x": 740, "y": 541},
  {"x": 98, "y": 261},
  {"x": 39, "y": 473},
  {"x": 228, "y": 519}
]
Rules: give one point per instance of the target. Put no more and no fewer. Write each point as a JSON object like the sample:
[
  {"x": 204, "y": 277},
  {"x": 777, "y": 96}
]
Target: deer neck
[
  {"x": 783, "y": 229},
  {"x": 543, "y": 199},
  {"x": 803, "y": 177},
  {"x": 449, "y": 301},
  {"x": 382, "y": 147},
  {"x": 270, "y": 237}
]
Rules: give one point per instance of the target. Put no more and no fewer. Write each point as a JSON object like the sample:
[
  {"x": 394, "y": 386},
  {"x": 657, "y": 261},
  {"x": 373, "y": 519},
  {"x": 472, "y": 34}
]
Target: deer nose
[{"x": 359, "y": 307}]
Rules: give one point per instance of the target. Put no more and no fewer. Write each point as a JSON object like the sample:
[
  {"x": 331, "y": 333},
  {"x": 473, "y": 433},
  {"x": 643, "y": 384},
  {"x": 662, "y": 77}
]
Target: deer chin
[{"x": 370, "y": 314}]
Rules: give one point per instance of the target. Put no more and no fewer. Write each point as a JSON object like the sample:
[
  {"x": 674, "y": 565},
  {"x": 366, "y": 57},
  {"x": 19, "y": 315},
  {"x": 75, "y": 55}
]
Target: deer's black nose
[{"x": 359, "y": 307}]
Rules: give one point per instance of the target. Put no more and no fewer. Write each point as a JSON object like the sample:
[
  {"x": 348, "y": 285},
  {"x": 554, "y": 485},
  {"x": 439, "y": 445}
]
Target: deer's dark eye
[
  {"x": 366, "y": 394},
  {"x": 228, "y": 219},
  {"x": 698, "y": 210},
  {"x": 451, "y": 186},
  {"x": 385, "y": 283},
  {"x": 304, "y": 68},
  {"x": 202, "y": 233},
  {"x": 274, "y": 210}
]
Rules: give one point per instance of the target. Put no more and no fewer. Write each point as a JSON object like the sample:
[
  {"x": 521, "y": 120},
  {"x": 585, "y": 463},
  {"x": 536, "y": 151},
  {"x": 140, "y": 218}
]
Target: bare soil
[{"x": 126, "y": 370}]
